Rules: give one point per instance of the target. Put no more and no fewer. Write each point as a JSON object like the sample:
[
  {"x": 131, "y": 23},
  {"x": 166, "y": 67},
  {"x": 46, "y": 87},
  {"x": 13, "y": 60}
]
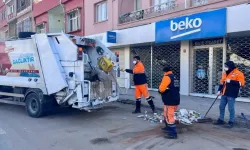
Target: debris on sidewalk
[
  {"x": 186, "y": 117},
  {"x": 156, "y": 118}
]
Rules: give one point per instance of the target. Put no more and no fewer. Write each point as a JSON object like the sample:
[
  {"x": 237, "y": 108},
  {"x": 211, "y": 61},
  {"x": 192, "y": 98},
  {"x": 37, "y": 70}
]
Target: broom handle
[
  {"x": 214, "y": 101},
  {"x": 211, "y": 106}
]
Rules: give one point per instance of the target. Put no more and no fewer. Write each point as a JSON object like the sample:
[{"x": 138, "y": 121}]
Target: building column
[
  {"x": 184, "y": 68},
  {"x": 127, "y": 66}
]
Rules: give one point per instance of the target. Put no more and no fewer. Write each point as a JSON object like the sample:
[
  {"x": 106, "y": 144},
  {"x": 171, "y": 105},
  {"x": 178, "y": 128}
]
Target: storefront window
[
  {"x": 162, "y": 55},
  {"x": 145, "y": 54},
  {"x": 238, "y": 51},
  {"x": 165, "y": 55}
]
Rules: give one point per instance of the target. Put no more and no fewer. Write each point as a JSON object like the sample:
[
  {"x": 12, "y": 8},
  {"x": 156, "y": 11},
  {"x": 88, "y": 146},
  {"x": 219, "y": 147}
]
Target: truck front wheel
[{"x": 33, "y": 105}]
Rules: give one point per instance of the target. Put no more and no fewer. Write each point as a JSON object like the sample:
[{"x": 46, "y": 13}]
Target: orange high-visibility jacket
[
  {"x": 139, "y": 74},
  {"x": 170, "y": 93},
  {"x": 237, "y": 80}
]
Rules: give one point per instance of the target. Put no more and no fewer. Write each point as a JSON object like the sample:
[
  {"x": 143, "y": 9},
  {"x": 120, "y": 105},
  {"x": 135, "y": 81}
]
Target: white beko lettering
[
  {"x": 197, "y": 22},
  {"x": 193, "y": 24},
  {"x": 187, "y": 24}
]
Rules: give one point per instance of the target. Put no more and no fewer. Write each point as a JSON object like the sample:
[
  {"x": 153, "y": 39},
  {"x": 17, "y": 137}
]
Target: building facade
[
  {"x": 195, "y": 37},
  {"x": 24, "y": 17},
  {"x": 11, "y": 6},
  {"x": 19, "y": 17},
  {"x": 3, "y": 22},
  {"x": 58, "y": 16}
]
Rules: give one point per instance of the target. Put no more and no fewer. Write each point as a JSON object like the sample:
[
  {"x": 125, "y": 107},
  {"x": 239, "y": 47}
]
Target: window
[
  {"x": 41, "y": 28},
  {"x": 19, "y": 27},
  {"x": 137, "y": 4},
  {"x": 3, "y": 16},
  {"x": 27, "y": 27},
  {"x": 11, "y": 10},
  {"x": 101, "y": 11},
  {"x": 22, "y": 4},
  {"x": 24, "y": 26},
  {"x": 73, "y": 21}
]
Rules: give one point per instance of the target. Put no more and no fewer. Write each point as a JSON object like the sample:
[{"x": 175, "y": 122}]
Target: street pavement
[
  {"x": 112, "y": 128},
  {"x": 198, "y": 104}
]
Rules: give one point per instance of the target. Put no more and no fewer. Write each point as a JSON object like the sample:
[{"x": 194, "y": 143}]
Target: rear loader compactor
[{"x": 47, "y": 70}]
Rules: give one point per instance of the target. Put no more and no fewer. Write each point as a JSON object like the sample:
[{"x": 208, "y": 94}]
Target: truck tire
[{"x": 34, "y": 106}]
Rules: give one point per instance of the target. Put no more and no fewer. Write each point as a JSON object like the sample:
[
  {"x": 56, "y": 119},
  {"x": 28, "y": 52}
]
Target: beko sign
[{"x": 202, "y": 25}]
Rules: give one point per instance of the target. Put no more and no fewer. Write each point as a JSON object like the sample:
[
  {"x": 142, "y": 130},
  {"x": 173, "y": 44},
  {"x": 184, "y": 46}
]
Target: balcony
[
  {"x": 199, "y": 2},
  {"x": 11, "y": 17},
  {"x": 149, "y": 12},
  {"x": 173, "y": 6},
  {"x": 23, "y": 5}
]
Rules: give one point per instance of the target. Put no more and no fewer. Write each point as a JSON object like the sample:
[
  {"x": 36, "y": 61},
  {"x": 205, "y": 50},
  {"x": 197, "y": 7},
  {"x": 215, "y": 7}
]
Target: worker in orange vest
[
  {"x": 230, "y": 83},
  {"x": 141, "y": 87},
  {"x": 171, "y": 99}
]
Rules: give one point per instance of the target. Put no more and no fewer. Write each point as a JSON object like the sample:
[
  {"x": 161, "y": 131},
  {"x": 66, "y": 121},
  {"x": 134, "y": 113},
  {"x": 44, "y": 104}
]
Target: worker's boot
[
  {"x": 172, "y": 134},
  {"x": 165, "y": 129},
  {"x": 151, "y": 104},
  {"x": 137, "y": 107},
  {"x": 230, "y": 125},
  {"x": 219, "y": 122}
]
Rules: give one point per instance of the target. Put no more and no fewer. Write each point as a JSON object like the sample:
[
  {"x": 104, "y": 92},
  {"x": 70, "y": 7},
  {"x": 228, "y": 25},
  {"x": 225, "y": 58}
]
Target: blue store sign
[
  {"x": 196, "y": 26},
  {"x": 111, "y": 37}
]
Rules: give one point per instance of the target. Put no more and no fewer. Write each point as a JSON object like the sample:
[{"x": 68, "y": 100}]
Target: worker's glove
[
  {"x": 240, "y": 83},
  {"x": 228, "y": 80},
  {"x": 122, "y": 70},
  {"x": 218, "y": 93},
  {"x": 159, "y": 92}
]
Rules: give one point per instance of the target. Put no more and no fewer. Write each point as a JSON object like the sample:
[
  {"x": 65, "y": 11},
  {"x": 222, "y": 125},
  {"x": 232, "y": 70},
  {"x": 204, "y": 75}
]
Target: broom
[{"x": 204, "y": 119}]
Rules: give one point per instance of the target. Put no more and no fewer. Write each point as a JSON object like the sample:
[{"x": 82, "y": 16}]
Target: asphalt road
[{"x": 112, "y": 128}]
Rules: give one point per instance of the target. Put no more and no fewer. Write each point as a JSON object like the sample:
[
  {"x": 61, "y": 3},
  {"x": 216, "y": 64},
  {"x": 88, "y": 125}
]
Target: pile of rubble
[{"x": 183, "y": 116}]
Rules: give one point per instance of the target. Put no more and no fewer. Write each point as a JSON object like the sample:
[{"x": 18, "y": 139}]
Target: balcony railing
[
  {"x": 165, "y": 8},
  {"x": 149, "y": 12},
  {"x": 199, "y": 2},
  {"x": 10, "y": 16}
]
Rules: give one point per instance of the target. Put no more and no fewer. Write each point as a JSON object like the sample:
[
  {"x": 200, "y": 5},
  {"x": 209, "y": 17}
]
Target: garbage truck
[{"x": 42, "y": 71}]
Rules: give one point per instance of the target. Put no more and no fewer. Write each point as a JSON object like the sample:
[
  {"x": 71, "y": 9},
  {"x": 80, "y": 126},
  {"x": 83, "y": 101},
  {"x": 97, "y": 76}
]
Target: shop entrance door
[{"x": 206, "y": 70}]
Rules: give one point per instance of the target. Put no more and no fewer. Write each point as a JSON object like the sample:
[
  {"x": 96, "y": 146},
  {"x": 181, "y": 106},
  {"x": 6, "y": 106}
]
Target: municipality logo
[{"x": 192, "y": 24}]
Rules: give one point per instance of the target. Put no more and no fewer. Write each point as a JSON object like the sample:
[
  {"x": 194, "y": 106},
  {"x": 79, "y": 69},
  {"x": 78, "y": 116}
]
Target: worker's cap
[
  {"x": 166, "y": 69},
  {"x": 137, "y": 57},
  {"x": 230, "y": 64}
]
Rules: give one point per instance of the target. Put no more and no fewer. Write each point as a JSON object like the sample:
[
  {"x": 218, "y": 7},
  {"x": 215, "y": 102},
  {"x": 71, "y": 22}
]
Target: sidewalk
[{"x": 198, "y": 104}]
